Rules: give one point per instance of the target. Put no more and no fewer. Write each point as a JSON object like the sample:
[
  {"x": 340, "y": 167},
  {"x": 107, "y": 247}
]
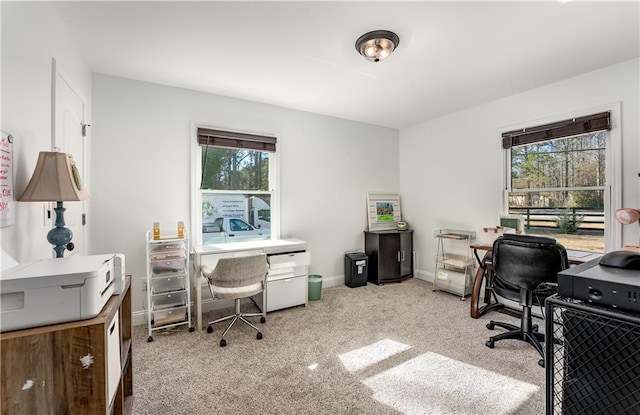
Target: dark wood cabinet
[{"x": 390, "y": 255}]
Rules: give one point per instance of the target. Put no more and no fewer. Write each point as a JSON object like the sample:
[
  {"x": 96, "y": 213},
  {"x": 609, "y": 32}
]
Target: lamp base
[{"x": 60, "y": 236}]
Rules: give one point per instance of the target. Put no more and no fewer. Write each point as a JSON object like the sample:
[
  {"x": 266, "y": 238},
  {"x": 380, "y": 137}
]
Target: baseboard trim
[{"x": 424, "y": 275}]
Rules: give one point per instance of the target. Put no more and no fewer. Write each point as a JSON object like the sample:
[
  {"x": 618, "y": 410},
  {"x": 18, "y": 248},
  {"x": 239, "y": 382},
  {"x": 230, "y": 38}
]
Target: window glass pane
[
  {"x": 234, "y": 169},
  {"x": 235, "y": 194},
  {"x": 235, "y": 216},
  {"x": 558, "y": 188},
  {"x": 568, "y": 162}
]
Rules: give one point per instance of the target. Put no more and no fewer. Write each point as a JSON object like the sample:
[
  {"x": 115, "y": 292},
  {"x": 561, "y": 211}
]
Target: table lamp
[{"x": 56, "y": 179}]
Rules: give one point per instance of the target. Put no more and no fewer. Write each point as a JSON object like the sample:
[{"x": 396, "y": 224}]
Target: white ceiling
[{"x": 301, "y": 55}]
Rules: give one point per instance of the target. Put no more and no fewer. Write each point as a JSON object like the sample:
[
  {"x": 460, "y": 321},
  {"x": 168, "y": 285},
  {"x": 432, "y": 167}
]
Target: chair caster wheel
[
  {"x": 541, "y": 362},
  {"x": 149, "y": 339},
  {"x": 209, "y": 329},
  {"x": 223, "y": 343},
  {"x": 490, "y": 326},
  {"x": 490, "y": 344},
  {"x": 192, "y": 329},
  {"x": 263, "y": 320},
  {"x": 259, "y": 336}
]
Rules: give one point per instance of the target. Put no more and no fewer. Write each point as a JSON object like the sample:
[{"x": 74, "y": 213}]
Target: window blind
[
  {"x": 567, "y": 128},
  {"x": 220, "y": 138}
]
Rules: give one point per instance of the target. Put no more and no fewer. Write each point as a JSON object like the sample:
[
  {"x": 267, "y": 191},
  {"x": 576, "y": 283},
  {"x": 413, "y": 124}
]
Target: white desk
[{"x": 288, "y": 270}]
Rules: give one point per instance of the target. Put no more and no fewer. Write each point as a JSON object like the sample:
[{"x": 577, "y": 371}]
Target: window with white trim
[
  {"x": 557, "y": 181},
  {"x": 236, "y": 192}
]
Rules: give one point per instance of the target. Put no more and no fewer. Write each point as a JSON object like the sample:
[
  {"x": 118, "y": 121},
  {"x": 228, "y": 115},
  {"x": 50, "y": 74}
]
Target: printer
[{"x": 57, "y": 290}]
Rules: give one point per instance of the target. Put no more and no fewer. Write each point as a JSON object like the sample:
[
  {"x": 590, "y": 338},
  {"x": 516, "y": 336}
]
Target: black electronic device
[
  {"x": 621, "y": 259},
  {"x": 608, "y": 286},
  {"x": 593, "y": 364},
  {"x": 355, "y": 269}
]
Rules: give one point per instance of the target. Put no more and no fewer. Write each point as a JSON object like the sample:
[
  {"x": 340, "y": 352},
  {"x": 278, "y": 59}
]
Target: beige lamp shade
[{"x": 55, "y": 179}]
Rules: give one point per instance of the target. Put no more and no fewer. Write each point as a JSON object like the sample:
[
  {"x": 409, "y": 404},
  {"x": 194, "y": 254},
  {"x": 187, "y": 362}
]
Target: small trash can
[
  {"x": 315, "y": 287},
  {"x": 355, "y": 269}
]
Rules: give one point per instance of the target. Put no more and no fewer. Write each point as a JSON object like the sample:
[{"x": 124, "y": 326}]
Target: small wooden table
[{"x": 485, "y": 274}]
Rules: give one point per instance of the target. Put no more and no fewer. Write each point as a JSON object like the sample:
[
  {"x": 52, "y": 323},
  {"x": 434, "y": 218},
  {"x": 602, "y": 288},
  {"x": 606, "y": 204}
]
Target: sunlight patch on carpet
[
  {"x": 368, "y": 355},
  {"x": 434, "y": 384}
]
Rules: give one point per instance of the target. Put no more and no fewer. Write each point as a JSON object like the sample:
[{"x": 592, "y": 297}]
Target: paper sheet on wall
[{"x": 6, "y": 180}]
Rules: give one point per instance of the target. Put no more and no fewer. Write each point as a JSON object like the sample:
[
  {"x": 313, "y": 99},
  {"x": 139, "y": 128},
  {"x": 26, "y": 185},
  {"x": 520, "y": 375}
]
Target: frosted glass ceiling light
[{"x": 376, "y": 46}]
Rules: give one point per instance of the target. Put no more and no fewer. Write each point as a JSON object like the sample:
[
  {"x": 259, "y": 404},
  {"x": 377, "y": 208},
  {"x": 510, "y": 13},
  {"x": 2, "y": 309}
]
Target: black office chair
[{"x": 523, "y": 264}]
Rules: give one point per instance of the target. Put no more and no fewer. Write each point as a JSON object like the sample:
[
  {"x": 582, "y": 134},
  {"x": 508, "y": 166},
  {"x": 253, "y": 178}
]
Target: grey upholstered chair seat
[{"x": 236, "y": 292}]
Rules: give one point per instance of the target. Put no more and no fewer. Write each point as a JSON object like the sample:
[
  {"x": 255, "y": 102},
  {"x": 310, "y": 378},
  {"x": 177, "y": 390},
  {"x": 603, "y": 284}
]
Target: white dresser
[{"x": 288, "y": 270}]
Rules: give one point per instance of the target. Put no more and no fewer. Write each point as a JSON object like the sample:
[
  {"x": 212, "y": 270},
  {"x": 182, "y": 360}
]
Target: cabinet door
[
  {"x": 406, "y": 253},
  {"x": 389, "y": 257}
]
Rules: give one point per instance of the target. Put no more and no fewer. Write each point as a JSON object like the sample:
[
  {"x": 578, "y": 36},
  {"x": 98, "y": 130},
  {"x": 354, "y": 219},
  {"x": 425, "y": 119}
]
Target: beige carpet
[{"x": 397, "y": 348}]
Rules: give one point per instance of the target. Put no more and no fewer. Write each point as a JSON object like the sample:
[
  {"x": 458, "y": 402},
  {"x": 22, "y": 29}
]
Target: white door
[{"x": 68, "y": 138}]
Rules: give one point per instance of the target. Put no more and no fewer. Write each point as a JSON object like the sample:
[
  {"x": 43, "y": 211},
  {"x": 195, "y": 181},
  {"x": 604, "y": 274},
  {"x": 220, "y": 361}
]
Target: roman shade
[
  {"x": 560, "y": 129},
  {"x": 231, "y": 139}
]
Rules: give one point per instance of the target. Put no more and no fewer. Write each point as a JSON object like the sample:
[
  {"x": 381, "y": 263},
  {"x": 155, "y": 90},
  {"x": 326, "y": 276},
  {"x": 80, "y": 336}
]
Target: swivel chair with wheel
[
  {"x": 238, "y": 278},
  {"x": 525, "y": 270}
]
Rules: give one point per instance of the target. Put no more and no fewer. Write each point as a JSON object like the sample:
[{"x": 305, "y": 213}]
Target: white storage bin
[
  {"x": 167, "y": 246},
  {"x": 167, "y": 267},
  {"x": 165, "y": 284},
  {"x": 169, "y": 316},
  {"x": 171, "y": 300}
]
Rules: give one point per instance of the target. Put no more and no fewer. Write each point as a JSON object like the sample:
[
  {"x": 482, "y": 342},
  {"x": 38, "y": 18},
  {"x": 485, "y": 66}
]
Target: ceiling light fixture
[{"x": 376, "y": 46}]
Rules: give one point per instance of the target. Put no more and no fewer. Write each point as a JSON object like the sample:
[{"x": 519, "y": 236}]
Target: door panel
[
  {"x": 406, "y": 249},
  {"x": 69, "y": 120},
  {"x": 389, "y": 257}
]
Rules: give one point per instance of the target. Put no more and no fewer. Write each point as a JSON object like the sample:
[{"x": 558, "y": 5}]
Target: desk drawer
[
  {"x": 293, "y": 260},
  {"x": 286, "y": 292}
]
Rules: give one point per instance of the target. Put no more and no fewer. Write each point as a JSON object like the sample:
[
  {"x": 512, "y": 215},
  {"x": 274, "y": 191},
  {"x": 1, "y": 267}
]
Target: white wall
[
  {"x": 450, "y": 167},
  {"x": 141, "y": 169},
  {"x": 33, "y": 34}
]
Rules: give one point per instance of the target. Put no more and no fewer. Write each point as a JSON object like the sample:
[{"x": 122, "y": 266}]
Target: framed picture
[{"x": 383, "y": 210}]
